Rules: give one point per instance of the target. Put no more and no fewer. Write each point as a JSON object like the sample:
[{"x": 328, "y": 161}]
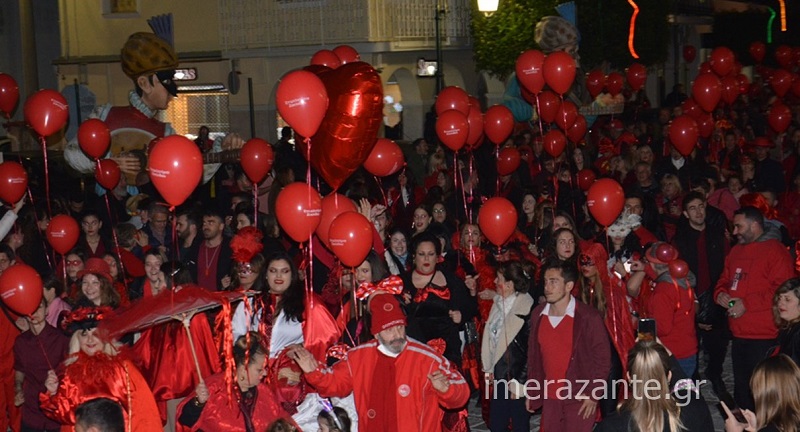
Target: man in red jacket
[
  {"x": 395, "y": 380},
  {"x": 755, "y": 267},
  {"x": 569, "y": 355}
]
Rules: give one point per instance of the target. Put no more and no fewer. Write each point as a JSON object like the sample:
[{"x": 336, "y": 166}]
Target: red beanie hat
[{"x": 386, "y": 313}]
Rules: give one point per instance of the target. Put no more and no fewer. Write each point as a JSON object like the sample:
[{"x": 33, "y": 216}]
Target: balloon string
[
  {"x": 255, "y": 205},
  {"x": 175, "y": 246},
  {"x": 380, "y": 188},
  {"x": 46, "y": 176},
  {"x": 116, "y": 242},
  {"x": 44, "y": 243},
  {"x": 46, "y": 358},
  {"x": 539, "y": 112},
  {"x": 456, "y": 175},
  {"x": 497, "y": 158},
  {"x": 308, "y": 159},
  {"x": 310, "y": 270},
  {"x": 471, "y": 172},
  {"x": 64, "y": 271}
]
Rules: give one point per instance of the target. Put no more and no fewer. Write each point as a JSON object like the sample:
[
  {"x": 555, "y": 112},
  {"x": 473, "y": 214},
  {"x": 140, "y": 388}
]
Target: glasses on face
[{"x": 74, "y": 262}]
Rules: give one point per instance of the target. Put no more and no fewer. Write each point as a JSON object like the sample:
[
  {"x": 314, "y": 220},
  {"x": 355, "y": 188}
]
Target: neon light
[
  {"x": 783, "y": 15},
  {"x": 769, "y": 24},
  {"x": 632, "y": 29}
]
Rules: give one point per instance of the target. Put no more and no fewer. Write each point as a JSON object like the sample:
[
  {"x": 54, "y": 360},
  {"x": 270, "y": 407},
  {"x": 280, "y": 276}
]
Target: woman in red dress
[
  {"x": 94, "y": 370},
  {"x": 246, "y": 405}
]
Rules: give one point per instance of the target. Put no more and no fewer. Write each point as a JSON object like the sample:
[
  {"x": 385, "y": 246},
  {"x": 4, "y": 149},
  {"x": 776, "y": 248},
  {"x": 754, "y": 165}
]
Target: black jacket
[
  {"x": 685, "y": 241},
  {"x": 223, "y": 264},
  {"x": 789, "y": 340}
]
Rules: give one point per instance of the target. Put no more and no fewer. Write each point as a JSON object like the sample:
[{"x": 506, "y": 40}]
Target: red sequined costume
[
  {"x": 222, "y": 414},
  {"x": 102, "y": 376}
]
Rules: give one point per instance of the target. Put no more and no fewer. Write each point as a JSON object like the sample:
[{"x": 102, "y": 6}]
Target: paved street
[{"x": 477, "y": 424}]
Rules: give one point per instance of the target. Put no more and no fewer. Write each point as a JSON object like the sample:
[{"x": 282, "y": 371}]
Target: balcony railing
[{"x": 260, "y": 24}]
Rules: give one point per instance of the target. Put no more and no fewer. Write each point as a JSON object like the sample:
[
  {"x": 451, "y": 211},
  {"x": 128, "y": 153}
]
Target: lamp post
[
  {"x": 440, "y": 11},
  {"x": 488, "y": 7}
]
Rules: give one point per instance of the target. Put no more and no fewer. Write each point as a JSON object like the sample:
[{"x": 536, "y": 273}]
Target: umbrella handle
[{"x": 187, "y": 325}]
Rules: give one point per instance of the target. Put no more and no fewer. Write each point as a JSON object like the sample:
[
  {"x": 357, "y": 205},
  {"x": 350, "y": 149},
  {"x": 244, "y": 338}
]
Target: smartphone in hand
[{"x": 732, "y": 407}]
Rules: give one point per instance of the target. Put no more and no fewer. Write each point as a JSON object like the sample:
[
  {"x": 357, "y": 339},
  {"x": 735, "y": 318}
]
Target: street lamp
[
  {"x": 440, "y": 11},
  {"x": 488, "y": 7}
]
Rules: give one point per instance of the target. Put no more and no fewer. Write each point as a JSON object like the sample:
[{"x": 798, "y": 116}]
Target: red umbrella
[{"x": 180, "y": 305}]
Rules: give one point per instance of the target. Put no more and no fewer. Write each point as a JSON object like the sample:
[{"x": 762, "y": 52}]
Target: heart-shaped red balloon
[{"x": 350, "y": 126}]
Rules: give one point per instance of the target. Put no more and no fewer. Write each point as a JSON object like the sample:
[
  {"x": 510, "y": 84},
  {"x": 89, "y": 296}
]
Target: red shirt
[
  {"x": 207, "y": 259},
  {"x": 556, "y": 343}
]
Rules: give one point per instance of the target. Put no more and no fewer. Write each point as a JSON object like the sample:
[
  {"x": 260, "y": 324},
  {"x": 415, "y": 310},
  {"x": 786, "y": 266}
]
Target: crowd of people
[{"x": 594, "y": 327}]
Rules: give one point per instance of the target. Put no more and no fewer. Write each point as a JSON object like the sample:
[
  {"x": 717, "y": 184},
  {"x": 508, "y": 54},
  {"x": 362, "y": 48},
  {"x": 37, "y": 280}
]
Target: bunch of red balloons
[
  {"x": 341, "y": 55},
  {"x": 460, "y": 123}
]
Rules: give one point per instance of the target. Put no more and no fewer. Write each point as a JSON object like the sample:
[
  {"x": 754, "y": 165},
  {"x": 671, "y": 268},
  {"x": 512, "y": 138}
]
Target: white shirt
[
  {"x": 556, "y": 320},
  {"x": 285, "y": 332}
]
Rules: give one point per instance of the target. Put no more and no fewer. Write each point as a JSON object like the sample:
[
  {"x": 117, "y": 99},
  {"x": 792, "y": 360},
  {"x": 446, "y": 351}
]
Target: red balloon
[
  {"x": 566, "y": 115},
  {"x": 705, "y": 68},
  {"x": 689, "y": 53},
  {"x": 730, "y": 89},
  {"x": 548, "y": 106},
  {"x": 497, "y": 219},
  {"x": 508, "y": 161},
  {"x": 637, "y": 76},
  {"x": 107, "y": 173},
  {"x": 21, "y": 289},
  {"x": 691, "y": 108},
  {"x": 498, "y": 123},
  {"x": 347, "y": 54},
  {"x": 614, "y": 83},
  {"x": 326, "y": 58},
  {"x": 332, "y": 206},
  {"x": 452, "y": 98},
  {"x": 796, "y": 86},
  {"x": 577, "y": 131},
  {"x": 302, "y": 101},
  {"x": 9, "y": 93},
  {"x": 683, "y": 134},
  {"x": 94, "y": 138},
  {"x": 779, "y": 117},
  {"x": 528, "y": 96},
  {"x": 176, "y": 168},
  {"x": 555, "y": 142},
  {"x": 722, "y": 60},
  {"x": 351, "y": 123},
  {"x": 595, "y": 82},
  {"x": 585, "y": 179},
  {"x": 13, "y": 182},
  {"x": 257, "y": 158},
  {"x": 350, "y": 238},
  {"x": 385, "y": 159},
  {"x": 783, "y": 54},
  {"x": 530, "y": 70},
  {"x": 62, "y": 233},
  {"x": 678, "y": 269},
  {"x": 707, "y": 91},
  {"x": 46, "y": 111},
  {"x": 605, "y": 201},
  {"x": 452, "y": 129},
  {"x": 757, "y": 51},
  {"x": 781, "y": 82},
  {"x": 705, "y": 125},
  {"x": 744, "y": 83},
  {"x": 298, "y": 210},
  {"x": 665, "y": 252},
  {"x": 559, "y": 71},
  {"x": 475, "y": 122}
]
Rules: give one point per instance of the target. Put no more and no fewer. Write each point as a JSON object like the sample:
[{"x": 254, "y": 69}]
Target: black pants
[
  {"x": 503, "y": 410},
  {"x": 746, "y": 354},
  {"x": 715, "y": 344}
]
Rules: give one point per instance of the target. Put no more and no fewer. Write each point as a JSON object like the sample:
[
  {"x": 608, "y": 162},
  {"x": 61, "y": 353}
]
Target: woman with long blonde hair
[
  {"x": 776, "y": 390},
  {"x": 656, "y": 401}
]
